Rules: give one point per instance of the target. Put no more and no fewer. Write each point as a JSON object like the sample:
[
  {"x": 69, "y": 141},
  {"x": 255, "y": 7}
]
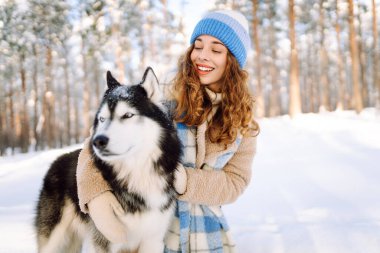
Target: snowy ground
[{"x": 315, "y": 189}]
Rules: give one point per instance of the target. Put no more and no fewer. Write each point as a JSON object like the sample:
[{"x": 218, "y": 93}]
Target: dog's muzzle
[{"x": 100, "y": 142}]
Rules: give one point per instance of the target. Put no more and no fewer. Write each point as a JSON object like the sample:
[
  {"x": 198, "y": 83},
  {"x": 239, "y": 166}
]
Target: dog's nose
[{"x": 100, "y": 142}]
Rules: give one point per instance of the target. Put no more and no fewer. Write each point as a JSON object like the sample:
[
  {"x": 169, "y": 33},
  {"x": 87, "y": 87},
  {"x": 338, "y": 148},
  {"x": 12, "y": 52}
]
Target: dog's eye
[
  {"x": 102, "y": 119},
  {"x": 127, "y": 115}
]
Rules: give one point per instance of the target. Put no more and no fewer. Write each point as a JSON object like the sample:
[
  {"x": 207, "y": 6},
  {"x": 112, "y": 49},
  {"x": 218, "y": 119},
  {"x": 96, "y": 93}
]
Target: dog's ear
[
  {"x": 111, "y": 81},
  {"x": 150, "y": 84}
]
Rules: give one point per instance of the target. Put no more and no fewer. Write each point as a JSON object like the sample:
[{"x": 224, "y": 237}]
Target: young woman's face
[{"x": 209, "y": 58}]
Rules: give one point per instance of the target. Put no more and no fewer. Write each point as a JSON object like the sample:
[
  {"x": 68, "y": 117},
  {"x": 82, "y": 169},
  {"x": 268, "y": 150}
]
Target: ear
[
  {"x": 150, "y": 84},
  {"x": 111, "y": 81}
]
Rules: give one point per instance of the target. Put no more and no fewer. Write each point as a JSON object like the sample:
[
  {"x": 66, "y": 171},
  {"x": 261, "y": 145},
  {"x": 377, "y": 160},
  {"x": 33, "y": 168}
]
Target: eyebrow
[{"x": 213, "y": 42}]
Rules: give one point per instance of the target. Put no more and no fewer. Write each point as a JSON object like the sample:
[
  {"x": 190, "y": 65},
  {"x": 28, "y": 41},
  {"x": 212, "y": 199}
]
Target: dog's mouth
[
  {"x": 108, "y": 153},
  {"x": 105, "y": 152}
]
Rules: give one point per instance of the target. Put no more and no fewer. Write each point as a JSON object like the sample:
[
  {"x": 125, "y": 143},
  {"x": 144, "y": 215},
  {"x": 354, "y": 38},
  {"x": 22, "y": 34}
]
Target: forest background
[{"x": 307, "y": 56}]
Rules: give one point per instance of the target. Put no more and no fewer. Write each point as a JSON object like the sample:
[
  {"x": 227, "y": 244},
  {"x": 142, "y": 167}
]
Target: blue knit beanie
[{"x": 230, "y": 27}]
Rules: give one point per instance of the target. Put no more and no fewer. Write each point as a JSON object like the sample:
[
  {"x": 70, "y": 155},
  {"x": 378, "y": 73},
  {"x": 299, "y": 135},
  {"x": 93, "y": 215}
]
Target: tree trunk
[
  {"x": 48, "y": 103},
  {"x": 355, "y": 67},
  {"x": 141, "y": 39},
  {"x": 362, "y": 61},
  {"x": 45, "y": 129},
  {"x": 310, "y": 75},
  {"x": 315, "y": 75},
  {"x": 12, "y": 121},
  {"x": 167, "y": 43},
  {"x": 294, "y": 86},
  {"x": 341, "y": 87},
  {"x": 97, "y": 81},
  {"x": 36, "y": 116},
  {"x": 3, "y": 115},
  {"x": 151, "y": 41},
  {"x": 375, "y": 55},
  {"x": 86, "y": 95},
  {"x": 323, "y": 74},
  {"x": 260, "y": 108},
  {"x": 67, "y": 137},
  {"x": 2, "y": 128},
  {"x": 59, "y": 108},
  {"x": 275, "y": 94},
  {"x": 24, "y": 137},
  {"x": 76, "y": 115},
  {"x": 115, "y": 29}
]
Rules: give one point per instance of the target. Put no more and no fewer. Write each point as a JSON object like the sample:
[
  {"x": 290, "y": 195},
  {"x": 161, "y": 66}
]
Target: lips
[{"x": 203, "y": 69}]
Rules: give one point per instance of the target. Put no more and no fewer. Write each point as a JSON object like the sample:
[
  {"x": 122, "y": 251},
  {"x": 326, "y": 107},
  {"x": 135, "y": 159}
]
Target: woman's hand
[
  {"x": 105, "y": 211},
  {"x": 180, "y": 179}
]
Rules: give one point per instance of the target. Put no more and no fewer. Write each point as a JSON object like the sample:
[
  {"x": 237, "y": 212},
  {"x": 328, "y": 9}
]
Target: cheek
[
  {"x": 222, "y": 62},
  {"x": 193, "y": 55},
  {"x": 122, "y": 135}
]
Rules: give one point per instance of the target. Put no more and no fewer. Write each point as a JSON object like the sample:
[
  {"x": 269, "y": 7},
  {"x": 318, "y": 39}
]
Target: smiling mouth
[{"x": 203, "y": 70}]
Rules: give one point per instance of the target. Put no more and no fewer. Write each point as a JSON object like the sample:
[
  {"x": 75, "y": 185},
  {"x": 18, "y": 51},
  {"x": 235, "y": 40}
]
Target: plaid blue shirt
[{"x": 198, "y": 228}]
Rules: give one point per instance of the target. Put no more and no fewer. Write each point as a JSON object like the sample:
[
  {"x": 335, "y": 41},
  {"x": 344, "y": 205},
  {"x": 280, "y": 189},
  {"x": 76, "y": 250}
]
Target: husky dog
[{"x": 136, "y": 148}]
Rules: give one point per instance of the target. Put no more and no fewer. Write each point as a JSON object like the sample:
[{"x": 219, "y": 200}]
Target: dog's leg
[
  {"x": 90, "y": 247},
  {"x": 99, "y": 244},
  {"x": 99, "y": 249},
  {"x": 153, "y": 245},
  {"x": 63, "y": 235},
  {"x": 128, "y": 251},
  {"x": 75, "y": 245}
]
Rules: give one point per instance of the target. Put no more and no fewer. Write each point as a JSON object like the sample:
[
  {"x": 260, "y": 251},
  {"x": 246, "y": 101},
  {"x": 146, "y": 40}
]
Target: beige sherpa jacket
[{"x": 204, "y": 186}]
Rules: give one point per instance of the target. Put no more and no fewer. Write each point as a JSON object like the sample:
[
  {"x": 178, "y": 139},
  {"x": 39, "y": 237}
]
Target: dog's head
[{"x": 130, "y": 119}]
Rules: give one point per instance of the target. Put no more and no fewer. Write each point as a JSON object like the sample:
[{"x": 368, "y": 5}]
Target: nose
[
  {"x": 100, "y": 142},
  {"x": 204, "y": 55}
]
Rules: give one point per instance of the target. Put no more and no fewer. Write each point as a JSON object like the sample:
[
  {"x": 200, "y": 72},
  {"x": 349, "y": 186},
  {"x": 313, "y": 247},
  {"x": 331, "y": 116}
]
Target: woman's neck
[
  {"x": 215, "y": 87},
  {"x": 215, "y": 97}
]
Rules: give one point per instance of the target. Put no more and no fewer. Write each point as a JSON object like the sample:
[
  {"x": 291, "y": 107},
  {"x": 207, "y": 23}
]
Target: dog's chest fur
[
  {"x": 152, "y": 204},
  {"x": 140, "y": 184},
  {"x": 146, "y": 182}
]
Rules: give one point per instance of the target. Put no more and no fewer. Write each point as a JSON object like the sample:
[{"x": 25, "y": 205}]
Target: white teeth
[{"x": 204, "y": 68}]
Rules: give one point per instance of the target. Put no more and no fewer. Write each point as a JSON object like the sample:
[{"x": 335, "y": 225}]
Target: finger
[{"x": 117, "y": 208}]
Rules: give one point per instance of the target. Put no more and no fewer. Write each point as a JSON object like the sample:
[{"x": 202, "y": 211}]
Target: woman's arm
[
  {"x": 96, "y": 198},
  {"x": 90, "y": 181},
  {"x": 212, "y": 187}
]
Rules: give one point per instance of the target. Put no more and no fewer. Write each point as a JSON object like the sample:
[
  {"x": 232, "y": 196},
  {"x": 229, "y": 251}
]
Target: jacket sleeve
[
  {"x": 212, "y": 187},
  {"x": 90, "y": 181}
]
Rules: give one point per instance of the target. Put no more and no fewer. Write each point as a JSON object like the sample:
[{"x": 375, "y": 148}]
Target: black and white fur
[{"x": 136, "y": 148}]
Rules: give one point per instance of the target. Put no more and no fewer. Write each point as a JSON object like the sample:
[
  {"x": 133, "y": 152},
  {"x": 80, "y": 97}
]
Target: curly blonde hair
[{"x": 193, "y": 103}]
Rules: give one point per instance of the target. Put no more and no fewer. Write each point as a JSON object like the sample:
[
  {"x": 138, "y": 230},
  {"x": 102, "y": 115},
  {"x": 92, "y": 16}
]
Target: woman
[{"x": 214, "y": 116}]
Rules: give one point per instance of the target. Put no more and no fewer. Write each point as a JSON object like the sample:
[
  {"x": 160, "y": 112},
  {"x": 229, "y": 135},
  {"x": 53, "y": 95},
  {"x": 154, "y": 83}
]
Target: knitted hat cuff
[
  {"x": 225, "y": 34},
  {"x": 241, "y": 32},
  {"x": 230, "y": 28}
]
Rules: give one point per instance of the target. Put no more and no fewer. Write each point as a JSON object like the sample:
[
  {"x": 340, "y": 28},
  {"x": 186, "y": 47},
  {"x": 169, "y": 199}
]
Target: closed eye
[{"x": 127, "y": 115}]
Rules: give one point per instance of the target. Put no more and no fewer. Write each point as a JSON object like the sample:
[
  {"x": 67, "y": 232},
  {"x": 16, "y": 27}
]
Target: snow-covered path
[{"x": 315, "y": 189}]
